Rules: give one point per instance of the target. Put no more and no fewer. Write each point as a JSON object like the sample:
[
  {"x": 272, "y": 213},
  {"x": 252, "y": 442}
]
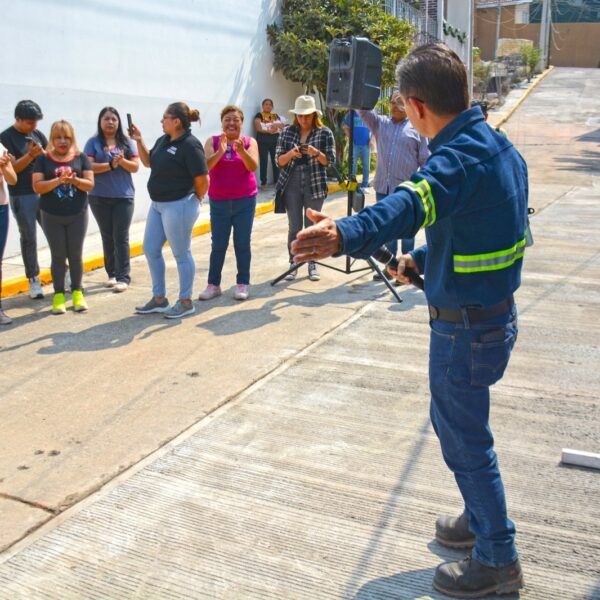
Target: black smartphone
[
  {"x": 303, "y": 147},
  {"x": 129, "y": 123}
]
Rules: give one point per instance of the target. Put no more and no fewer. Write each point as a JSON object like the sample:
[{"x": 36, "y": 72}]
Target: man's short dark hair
[
  {"x": 28, "y": 109},
  {"x": 435, "y": 75}
]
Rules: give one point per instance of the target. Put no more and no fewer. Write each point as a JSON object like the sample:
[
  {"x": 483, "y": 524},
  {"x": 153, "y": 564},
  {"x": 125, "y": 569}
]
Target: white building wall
[
  {"x": 74, "y": 57},
  {"x": 459, "y": 15}
]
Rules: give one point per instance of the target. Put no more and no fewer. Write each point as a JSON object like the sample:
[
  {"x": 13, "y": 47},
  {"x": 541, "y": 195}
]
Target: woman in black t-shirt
[
  {"x": 178, "y": 181},
  {"x": 63, "y": 177}
]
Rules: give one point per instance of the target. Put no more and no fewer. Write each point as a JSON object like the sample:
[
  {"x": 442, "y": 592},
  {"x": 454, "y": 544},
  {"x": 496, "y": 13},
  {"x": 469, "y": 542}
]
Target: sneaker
[
  {"x": 241, "y": 292},
  {"x": 120, "y": 286},
  {"x": 292, "y": 274},
  {"x": 211, "y": 291},
  {"x": 313, "y": 272},
  {"x": 79, "y": 303},
  {"x": 67, "y": 281},
  {"x": 110, "y": 283},
  {"x": 4, "y": 318},
  {"x": 454, "y": 532},
  {"x": 58, "y": 304},
  {"x": 152, "y": 306},
  {"x": 35, "y": 289},
  {"x": 469, "y": 578},
  {"x": 179, "y": 309}
]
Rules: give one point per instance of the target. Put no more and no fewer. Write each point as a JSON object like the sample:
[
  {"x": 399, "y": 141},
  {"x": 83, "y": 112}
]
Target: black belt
[{"x": 474, "y": 313}]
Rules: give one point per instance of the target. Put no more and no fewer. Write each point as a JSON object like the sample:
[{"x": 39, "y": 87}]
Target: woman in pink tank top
[{"x": 232, "y": 159}]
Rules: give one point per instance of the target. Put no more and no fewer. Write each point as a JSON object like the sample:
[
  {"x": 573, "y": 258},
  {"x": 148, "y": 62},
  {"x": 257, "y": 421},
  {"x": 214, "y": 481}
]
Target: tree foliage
[
  {"x": 301, "y": 40},
  {"x": 530, "y": 55}
]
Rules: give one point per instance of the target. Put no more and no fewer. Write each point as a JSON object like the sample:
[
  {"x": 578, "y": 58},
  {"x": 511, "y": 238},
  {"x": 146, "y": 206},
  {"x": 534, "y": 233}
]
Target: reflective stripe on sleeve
[
  {"x": 424, "y": 190},
  {"x": 492, "y": 261}
]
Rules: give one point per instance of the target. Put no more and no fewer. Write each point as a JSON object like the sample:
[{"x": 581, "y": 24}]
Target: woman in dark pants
[
  {"x": 304, "y": 150},
  {"x": 114, "y": 158},
  {"x": 63, "y": 177},
  {"x": 268, "y": 125}
]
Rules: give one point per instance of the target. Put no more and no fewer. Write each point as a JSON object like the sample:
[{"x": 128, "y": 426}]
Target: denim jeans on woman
[
  {"x": 3, "y": 236},
  {"x": 172, "y": 222},
  {"x": 226, "y": 215},
  {"x": 464, "y": 361}
]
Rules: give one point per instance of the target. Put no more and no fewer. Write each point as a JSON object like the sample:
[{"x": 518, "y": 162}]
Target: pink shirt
[
  {"x": 229, "y": 178},
  {"x": 3, "y": 193}
]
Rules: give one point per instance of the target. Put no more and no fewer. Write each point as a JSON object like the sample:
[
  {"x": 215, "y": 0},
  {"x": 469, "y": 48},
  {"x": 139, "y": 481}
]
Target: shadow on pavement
[{"x": 112, "y": 334}]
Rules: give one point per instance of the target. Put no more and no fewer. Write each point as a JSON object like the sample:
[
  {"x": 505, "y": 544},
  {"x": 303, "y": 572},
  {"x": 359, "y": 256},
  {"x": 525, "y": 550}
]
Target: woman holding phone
[
  {"x": 304, "y": 150},
  {"x": 114, "y": 158},
  {"x": 178, "y": 182},
  {"x": 63, "y": 177}
]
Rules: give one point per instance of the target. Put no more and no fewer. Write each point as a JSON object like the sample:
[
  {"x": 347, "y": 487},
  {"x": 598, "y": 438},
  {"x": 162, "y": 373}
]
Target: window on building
[{"x": 522, "y": 14}]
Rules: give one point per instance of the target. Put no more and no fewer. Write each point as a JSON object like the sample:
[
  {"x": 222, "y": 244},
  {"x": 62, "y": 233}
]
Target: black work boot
[
  {"x": 468, "y": 578},
  {"x": 454, "y": 532}
]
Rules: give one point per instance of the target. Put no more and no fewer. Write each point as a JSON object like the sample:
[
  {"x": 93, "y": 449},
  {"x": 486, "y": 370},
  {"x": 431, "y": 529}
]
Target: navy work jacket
[{"x": 471, "y": 198}]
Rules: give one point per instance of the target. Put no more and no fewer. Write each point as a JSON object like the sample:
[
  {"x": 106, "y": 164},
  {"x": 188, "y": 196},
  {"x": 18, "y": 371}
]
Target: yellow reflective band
[
  {"x": 424, "y": 190},
  {"x": 492, "y": 261}
]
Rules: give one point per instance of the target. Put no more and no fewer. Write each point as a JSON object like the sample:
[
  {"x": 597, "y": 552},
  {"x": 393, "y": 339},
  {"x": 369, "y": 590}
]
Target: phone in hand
[
  {"x": 129, "y": 123},
  {"x": 304, "y": 148}
]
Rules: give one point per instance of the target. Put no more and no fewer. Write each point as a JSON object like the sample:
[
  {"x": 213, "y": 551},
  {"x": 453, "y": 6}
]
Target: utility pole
[
  {"x": 545, "y": 34},
  {"x": 498, "y": 13}
]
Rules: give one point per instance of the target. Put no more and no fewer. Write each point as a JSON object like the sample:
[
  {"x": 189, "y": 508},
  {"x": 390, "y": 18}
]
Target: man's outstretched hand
[{"x": 318, "y": 241}]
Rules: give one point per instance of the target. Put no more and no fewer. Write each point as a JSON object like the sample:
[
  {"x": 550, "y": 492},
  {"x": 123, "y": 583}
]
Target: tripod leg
[
  {"x": 284, "y": 275},
  {"x": 387, "y": 282}
]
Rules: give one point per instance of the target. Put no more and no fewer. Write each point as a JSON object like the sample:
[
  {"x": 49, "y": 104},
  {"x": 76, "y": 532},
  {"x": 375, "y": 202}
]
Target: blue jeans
[
  {"x": 464, "y": 361},
  {"x": 3, "y": 236},
  {"x": 172, "y": 222},
  {"x": 408, "y": 244},
  {"x": 364, "y": 153},
  {"x": 26, "y": 209},
  {"x": 225, "y": 215}
]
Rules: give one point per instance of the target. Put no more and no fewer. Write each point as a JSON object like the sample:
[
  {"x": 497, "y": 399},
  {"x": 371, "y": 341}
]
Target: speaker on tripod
[{"x": 354, "y": 78}]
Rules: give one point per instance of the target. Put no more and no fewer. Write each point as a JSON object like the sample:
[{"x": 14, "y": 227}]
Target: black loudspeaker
[{"x": 354, "y": 79}]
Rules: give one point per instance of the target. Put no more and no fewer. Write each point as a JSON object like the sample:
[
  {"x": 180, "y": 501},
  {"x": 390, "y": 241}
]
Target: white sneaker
[
  {"x": 120, "y": 286},
  {"x": 292, "y": 274},
  {"x": 241, "y": 292},
  {"x": 211, "y": 291},
  {"x": 111, "y": 283},
  {"x": 313, "y": 272},
  {"x": 35, "y": 289}
]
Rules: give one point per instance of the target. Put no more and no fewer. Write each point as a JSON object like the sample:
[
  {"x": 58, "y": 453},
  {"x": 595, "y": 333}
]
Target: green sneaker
[
  {"x": 79, "y": 303},
  {"x": 58, "y": 304}
]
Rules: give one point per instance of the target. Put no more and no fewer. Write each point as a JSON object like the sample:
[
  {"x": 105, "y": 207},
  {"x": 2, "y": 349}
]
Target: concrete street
[{"x": 281, "y": 448}]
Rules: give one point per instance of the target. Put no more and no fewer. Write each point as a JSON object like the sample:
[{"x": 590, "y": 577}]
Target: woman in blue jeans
[
  {"x": 7, "y": 173},
  {"x": 178, "y": 181},
  {"x": 232, "y": 159}
]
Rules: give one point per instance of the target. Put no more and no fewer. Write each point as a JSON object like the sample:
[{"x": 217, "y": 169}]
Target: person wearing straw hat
[{"x": 304, "y": 150}]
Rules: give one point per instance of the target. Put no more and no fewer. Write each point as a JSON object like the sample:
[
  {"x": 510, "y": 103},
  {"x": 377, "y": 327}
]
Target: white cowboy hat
[{"x": 305, "y": 105}]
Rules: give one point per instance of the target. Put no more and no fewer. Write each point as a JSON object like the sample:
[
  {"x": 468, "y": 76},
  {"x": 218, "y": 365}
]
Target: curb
[
  {"x": 17, "y": 285},
  {"x": 522, "y": 98}
]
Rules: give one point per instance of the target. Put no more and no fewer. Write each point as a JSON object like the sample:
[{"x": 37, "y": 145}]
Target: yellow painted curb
[
  {"x": 17, "y": 285},
  {"x": 522, "y": 98}
]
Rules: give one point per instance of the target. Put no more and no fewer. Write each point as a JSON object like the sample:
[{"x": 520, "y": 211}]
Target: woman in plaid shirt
[{"x": 304, "y": 150}]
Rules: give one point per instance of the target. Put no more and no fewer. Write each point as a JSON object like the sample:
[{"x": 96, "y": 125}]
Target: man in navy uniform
[{"x": 471, "y": 198}]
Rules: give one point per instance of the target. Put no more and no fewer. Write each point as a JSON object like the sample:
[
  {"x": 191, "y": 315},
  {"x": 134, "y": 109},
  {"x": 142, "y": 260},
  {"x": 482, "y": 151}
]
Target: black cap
[{"x": 28, "y": 109}]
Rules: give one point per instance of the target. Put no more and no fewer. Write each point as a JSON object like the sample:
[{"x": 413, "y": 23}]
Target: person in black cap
[{"x": 25, "y": 143}]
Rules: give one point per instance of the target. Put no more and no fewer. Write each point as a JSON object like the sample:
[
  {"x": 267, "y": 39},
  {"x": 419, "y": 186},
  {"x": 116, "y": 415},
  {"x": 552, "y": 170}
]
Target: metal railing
[{"x": 425, "y": 25}]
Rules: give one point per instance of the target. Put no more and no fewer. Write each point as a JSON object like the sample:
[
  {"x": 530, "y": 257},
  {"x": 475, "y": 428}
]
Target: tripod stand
[{"x": 351, "y": 189}]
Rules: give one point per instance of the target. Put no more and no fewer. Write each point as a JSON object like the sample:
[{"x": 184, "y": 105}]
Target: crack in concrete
[{"x": 30, "y": 503}]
